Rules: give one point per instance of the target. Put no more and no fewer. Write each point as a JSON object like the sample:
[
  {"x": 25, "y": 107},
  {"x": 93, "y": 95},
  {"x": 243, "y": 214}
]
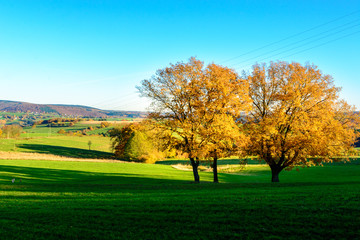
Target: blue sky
[{"x": 95, "y": 52}]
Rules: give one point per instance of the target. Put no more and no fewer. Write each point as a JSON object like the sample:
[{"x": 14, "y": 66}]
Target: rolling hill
[{"x": 65, "y": 110}]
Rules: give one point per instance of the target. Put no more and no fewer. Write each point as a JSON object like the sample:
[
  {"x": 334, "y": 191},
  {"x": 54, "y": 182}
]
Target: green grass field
[
  {"x": 88, "y": 200},
  {"x": 45, "y": 131},
  {"x": 67, "y": 146}
]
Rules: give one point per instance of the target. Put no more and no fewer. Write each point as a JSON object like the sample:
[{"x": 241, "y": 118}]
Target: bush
[
  {"x": 133, "y": 143},
  {"x": 104, "y": 124},
  {"x": 61, "y": 131}
]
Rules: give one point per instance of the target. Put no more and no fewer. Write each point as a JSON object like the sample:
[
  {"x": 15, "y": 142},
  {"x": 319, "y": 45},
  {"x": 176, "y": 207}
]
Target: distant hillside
[{"x": 65, "y": 110}]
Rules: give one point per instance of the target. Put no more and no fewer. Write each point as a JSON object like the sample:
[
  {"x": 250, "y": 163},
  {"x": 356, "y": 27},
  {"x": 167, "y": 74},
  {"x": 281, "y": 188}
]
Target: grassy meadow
[
  {"x": 101, "y": 200},
  {"x": 77, "y": 195},
  {"x": 67, "y": 146},
  {"x": 43, "y": 139}
]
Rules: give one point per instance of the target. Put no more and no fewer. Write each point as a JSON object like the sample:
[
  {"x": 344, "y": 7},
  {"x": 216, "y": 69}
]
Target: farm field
[
  {"x": 46, "y": 140},
  {"x": 45, "y": 131},
  {"x": 92, "y": 200},
  {"x": 66, "y": 146}
]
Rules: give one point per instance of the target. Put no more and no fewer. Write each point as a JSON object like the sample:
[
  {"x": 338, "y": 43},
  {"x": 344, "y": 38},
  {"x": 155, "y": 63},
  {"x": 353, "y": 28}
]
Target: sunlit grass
[
  {"x": 93, "y": 200},
  {"x": 68, "y": 146}
]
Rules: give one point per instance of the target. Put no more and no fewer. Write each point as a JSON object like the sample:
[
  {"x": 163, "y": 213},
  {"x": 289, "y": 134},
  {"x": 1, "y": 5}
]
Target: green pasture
[
  {"x": 89, "y": 200},
  {"x": 45, "y": 131},
  {"x": 67, "y": 146}
]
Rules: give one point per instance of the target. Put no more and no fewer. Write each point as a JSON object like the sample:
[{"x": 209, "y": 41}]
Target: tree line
[{"x": 286, "y": 114}]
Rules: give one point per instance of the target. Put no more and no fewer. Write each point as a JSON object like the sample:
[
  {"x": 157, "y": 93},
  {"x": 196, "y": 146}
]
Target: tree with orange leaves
[
  {"x": 297, "y": 118},
  {"x": 197, "y": 104},
  {"x": 222, "y": 97}
]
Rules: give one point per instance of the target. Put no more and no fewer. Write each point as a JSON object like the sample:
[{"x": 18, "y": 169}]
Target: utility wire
[
  {"x": 302, "y": 45},
  {"x": 113, "y": 101},
  {"x": 307, "y": 49},
  {"x": 134, "y": 103},
  {"x": 292, "y": 36}
]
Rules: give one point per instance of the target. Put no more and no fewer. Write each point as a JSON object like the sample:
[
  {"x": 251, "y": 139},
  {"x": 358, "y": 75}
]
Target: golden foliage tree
[
  {"x": 297, "y": 118},
  {"x": 196, "y": 104},
  {"x": 136, "y": 142},
  {"x": 11, "y": 131},
  {"x": 61, "y": 131},
  {"x": 104, "y": 124},
  {"x": 222, "y": 97}
]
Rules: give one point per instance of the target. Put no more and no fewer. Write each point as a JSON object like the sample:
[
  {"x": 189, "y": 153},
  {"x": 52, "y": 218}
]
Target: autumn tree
[
  {"x": 191, "y": 101},
  {"x": 61, "y": 131},
  {"x": 136, "y": 142},
  {"x": 104, "y": 124},
  {"x": 2, "y": 122},
  {"x": 11, "y": 131},
  {"x": 222, "y": 97},
  {"x": 224, "y": 139},
  {"x": 297, "y": 118}
]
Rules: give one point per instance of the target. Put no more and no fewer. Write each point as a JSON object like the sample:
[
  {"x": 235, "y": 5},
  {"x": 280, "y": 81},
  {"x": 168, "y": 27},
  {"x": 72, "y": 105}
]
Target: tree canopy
[
  {"x": 192, "y": 102},
  {"x": 297, "y": 118},
  {"x": 141, "y": 142}
]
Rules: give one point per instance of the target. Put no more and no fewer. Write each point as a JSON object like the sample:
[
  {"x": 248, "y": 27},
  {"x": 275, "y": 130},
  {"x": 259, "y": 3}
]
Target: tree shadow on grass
[
  {"x": 66, "y": 151},
  {"x": 232, "y": 161},
  {"x": 58, "y": 180},
  {"x": 48, "y": 180},
  {"x": 75, "y": 181}
]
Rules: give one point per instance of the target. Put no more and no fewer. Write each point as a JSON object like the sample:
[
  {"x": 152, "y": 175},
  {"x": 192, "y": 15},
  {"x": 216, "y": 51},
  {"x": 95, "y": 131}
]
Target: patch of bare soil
[{"x": 39, "y": 156}]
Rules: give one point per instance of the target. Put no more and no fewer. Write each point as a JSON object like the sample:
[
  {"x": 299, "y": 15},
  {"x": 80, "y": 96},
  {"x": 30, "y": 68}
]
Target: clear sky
[{"x": 94, "y": 53}]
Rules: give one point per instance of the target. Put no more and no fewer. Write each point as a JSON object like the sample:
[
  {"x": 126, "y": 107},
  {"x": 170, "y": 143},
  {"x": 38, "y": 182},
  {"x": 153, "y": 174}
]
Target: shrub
[
  {"x": 134, "y": 144},
  {"x": 61, "y": 131},
  {"x": 104, "y": 124}
]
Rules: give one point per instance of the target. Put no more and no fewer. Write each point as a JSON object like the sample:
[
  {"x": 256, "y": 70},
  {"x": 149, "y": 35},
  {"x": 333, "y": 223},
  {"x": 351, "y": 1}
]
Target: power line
[
  {"x": 292, "y": 36},
  {"x": 307, "y": 43},
  {"x": 125, "y": 105},
  {"x": 304, "y": 50},
  {"x": 112, "y": 101}
]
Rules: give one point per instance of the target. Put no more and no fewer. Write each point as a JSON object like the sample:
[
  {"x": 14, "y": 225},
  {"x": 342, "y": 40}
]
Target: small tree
[
  {"x": 104, "y": 124},
  {"x": 297, "y": 119},
  {"x": 135, "y": 143},
  {"x": 89, "y": 143},
  {"x": 11, "y": 131},
  {"x": 61, "y": 131}
]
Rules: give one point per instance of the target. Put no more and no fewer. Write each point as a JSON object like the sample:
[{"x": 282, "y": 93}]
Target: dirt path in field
[{"x": 39, "y": 156}]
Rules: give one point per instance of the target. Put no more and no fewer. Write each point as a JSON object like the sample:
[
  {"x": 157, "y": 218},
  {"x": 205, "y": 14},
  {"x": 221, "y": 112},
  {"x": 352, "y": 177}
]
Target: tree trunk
[
  {"x": 216, "y": 180},
  {"x": 275, "y": 170},
  {"x": 195, "y": 169}
]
